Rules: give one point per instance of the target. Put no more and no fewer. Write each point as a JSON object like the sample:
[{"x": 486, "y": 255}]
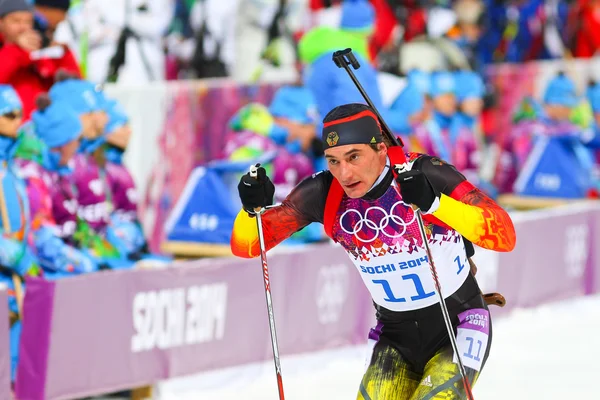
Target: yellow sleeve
[
  {"x": 244, "y": 237},
  {"x": 479, "y": 219}
]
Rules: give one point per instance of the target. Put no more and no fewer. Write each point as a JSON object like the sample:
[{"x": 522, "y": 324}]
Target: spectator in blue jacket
[
  {"x": 331, "y": 86},
  {"x": 469, "y": 91},
  {"x": 17, "y": 260},
  {"x": 442, "y": 89}
]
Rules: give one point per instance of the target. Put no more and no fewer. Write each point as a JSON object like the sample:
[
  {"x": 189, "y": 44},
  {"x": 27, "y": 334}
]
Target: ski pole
[
  {"x": 343, "y": 59},
  {"x": 263, "y": 256}
]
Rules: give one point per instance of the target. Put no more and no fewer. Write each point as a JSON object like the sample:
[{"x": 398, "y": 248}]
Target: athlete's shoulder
[
  {"x": 319, "y": 181},
  {"x": 412, "y": 156},
  {"x": 421, "y": 159},
  {"x": 425, "y": 161},
  {"x": 442, "y": 175},
  {"x": 310, "y": 195}
]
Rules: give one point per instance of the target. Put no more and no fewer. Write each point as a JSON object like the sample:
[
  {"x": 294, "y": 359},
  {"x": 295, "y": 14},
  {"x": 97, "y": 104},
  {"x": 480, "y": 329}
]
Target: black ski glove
[
  {"x": 416, "y": 189},
  {"x": 256, "y": 192}
]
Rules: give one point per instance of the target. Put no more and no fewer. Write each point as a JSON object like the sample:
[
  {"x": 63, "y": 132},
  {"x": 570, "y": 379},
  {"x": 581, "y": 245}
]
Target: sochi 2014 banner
[{"x": 115, "y": 330}]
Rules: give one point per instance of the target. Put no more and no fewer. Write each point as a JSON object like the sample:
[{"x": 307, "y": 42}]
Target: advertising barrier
[{"x": 123, "y": 329}]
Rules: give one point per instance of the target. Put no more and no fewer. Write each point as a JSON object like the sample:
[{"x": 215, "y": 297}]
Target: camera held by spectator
[{"x": 40, "y": 25}]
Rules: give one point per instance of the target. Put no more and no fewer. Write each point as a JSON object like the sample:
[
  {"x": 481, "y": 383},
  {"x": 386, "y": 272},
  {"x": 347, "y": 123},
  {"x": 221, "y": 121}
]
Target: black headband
[{"x": 360, "y": 128}]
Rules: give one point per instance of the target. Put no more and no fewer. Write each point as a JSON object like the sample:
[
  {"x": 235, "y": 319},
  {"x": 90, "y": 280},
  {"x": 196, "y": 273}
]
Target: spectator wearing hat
[
  {"x": 13, "y": 224},
  {"x": 560, "y": 98},
  {"x": 469, "y": 91},
  {"x": 469, "y": 95},
  {"x": 11, "y": 111},
  {"x": 328, "y": 85},
  {"x": 60, "y": 128},
  {"x": 30, "y": 60},
  {"x": 52, "y": 254},
  {"x": 86, "y": 101},
  {"x": 434, "y": 135},
  {"x": 441, "y": 132},
  {"x": 82, "y": 98},
  {"x": 417, "y": 101},
  {"x": 442, "y": 89},
  {"x": 125, "y": 229},
  {"x": 358, "y": 19},
  {"x": 93, "y": 198},
  {"x": 16, "y": 257},
  {"x": 123, "y": 196},
  {"x": 63, "y": 246},
  {"x": 552, "y": 118}
]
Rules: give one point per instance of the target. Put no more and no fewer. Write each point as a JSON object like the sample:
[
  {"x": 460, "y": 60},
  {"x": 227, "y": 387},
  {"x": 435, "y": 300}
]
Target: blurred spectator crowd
[
  {"x": 424, "y": 76},
  {"x": 68, "y": 205},
  {"x": 136, "y": 41}
]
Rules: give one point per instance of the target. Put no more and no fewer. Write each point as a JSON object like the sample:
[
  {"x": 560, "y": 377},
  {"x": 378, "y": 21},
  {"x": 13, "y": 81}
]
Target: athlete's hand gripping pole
[
  {"x": 343, "y": 59},
  {"x": 263, "y": 256}
]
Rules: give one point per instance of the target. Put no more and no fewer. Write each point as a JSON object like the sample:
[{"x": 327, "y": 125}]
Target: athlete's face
[{"x": 356, "y": 166}]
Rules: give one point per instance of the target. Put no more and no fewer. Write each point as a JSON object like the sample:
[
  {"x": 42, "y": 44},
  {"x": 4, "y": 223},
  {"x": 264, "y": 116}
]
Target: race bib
[
  {"x": 472, "y": 337},
  {"x": 390, "y": 255},
  {"x": 403, "y": 281}
]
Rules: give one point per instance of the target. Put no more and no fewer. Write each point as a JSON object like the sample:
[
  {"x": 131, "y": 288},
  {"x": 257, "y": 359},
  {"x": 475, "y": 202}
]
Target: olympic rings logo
[{"x": 365, "y": 222}]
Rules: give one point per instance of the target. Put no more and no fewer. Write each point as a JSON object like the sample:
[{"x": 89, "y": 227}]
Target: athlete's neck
[{"x": 381, "y": 184}]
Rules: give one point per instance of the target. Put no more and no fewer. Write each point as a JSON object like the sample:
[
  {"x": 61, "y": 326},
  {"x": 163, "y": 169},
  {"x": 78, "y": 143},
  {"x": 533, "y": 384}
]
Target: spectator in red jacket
[{"x": 30, "y": 59}]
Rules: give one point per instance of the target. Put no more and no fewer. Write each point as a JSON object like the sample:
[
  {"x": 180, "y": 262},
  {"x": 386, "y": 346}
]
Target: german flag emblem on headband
[
  {"x": 332, "y": 138},
  {"x": 361, "y": 128}
]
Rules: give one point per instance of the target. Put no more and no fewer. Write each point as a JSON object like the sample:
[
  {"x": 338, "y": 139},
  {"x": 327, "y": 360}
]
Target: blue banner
[
  {"x": 205, "y": 210},
  {"x": 556, "y": 167}
]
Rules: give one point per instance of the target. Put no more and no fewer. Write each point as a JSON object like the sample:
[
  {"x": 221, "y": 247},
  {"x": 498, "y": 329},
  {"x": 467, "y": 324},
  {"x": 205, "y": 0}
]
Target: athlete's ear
[{"x": 382, "y": 148}]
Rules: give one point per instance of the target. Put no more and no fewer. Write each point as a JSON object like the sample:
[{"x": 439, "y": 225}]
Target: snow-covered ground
[{"x": 550, "y": 352}]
